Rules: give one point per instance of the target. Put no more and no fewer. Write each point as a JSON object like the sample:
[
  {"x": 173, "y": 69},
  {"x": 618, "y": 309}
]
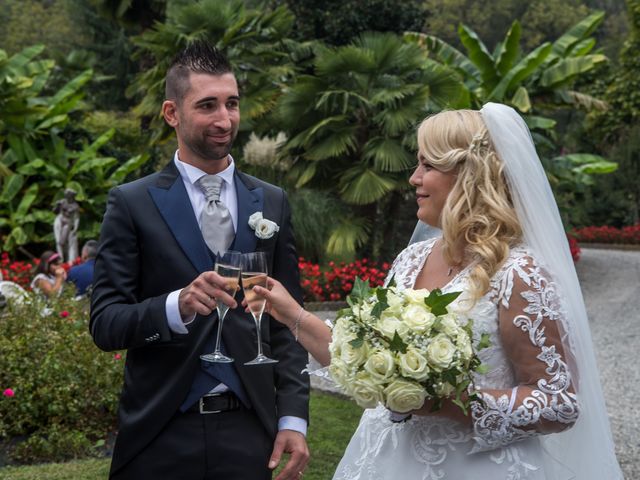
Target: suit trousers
[{"x": 229, "y": 445}]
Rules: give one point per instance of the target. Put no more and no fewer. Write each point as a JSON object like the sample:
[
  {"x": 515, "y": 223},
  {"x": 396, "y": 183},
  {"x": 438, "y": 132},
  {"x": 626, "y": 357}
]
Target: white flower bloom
[
  {"x": 464, "y": 345},
  {"x": 449, "y": 324},
  {"x": 418, "y": 318},
  {"x": 388, "y": 326},
  {"x": 254, "y": 219},
  {"x": 394, "y": 300},
  {"x": 413, "y": 364},
  {"x": 341, "y": 374},
  {"x": 380, "y": 365},
  {"x": 354, "y": 356},
  {"x": 417, "y": 296},
  {"x": 266, "y": 229},
  {"x": 440, "y": 352},
  {"x": 366, "y": 391},
  {"x": 404, "y": 396},
  {"x": 444, "y": 389}
]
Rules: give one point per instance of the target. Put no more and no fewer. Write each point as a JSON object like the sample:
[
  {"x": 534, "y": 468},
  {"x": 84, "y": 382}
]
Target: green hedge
[{"x": 60, "y": 392}]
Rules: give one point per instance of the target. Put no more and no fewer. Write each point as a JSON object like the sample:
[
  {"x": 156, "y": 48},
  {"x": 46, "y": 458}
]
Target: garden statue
[{"x": 65, "y": 226}]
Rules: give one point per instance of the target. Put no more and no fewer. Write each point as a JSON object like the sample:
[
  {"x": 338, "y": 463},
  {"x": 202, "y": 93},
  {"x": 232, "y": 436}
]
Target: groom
[{"x": 181, "y": 417}]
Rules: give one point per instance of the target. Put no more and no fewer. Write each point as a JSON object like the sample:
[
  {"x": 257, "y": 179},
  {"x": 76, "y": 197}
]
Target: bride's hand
[{"x": 280, "y": 304}]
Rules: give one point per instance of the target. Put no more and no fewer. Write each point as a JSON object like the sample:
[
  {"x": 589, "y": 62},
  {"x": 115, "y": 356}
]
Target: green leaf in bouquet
[
  {"x": 451, "y": 376},
  {"x": 397, "y": 344},
  {"x": 485, "y": 341},
  {"x": 361, "y": 289},
  {"x": 392, "y": 282},
  {"x": 438, "y": 301},
  {"x": 382, "y": 305},
  {"x": 358, "y": 341},
  {"x": 458, "y": 401},
  {"x": 482, "y": 368},
  {"x": 462, "y": 386}
]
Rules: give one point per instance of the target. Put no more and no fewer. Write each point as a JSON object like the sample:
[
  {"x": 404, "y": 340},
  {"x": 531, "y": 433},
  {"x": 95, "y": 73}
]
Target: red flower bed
[
  {"x": 335, "y": 281},
  {"x": 574, "y": 247},
  {"x": 627, "y": 235}
]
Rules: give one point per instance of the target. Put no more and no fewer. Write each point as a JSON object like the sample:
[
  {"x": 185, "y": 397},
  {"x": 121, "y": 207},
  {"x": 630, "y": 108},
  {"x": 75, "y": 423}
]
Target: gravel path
[{"x": 610, "y": 281}]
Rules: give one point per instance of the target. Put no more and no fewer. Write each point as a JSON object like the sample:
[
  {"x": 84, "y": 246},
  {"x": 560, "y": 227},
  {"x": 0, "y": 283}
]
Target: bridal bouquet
[{"x": 401, "y": 347}]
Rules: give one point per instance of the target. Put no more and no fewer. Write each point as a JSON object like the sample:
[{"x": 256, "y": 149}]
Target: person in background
[
  {"x": 82, "y": 274},
  {"x": 50, "y": 275}
]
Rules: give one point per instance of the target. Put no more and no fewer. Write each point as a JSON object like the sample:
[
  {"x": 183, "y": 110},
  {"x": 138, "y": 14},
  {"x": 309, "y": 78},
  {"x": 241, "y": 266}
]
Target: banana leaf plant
[
  {"x": 535, "y": 83},
  {"x": 36, "y": 163}
]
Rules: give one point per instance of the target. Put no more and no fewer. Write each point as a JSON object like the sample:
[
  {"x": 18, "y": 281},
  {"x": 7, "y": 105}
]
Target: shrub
[
  {"x": 606, "y": 234},
  {"x": 60, "y": 391}
]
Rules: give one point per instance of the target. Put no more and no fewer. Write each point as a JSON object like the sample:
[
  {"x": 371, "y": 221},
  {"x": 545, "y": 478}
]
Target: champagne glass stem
[
  {"x": 222, "y": 312},
  {"x": 258, "y": 321}
]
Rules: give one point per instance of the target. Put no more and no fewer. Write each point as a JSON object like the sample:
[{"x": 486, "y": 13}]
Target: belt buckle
[{"x": 201, "y": 404}]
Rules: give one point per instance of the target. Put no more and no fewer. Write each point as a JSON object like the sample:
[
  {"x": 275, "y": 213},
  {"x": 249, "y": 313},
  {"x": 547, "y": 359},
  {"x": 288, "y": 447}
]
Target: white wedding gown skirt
[{"x": 428, "y": 448}]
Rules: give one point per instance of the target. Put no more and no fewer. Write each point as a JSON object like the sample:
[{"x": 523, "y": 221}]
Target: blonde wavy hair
[{"x": 478, "y": 213}]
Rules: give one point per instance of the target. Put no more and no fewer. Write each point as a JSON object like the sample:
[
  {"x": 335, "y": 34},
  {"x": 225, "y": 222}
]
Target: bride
[{"x": 542, "y": 414}]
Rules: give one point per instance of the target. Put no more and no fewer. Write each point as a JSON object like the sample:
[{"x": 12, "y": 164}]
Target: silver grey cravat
[{"x": 215, "y": 221}]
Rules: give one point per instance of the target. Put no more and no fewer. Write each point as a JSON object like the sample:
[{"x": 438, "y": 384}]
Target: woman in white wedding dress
[{"x": 542, "y": 414}]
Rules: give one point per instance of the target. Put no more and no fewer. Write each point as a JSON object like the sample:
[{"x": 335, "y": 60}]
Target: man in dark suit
[{"x": 154, "y": 295}]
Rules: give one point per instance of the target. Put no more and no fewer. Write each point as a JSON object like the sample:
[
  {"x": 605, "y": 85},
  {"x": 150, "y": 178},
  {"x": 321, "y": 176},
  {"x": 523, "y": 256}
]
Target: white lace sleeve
[{"x": 543, "y": 399}]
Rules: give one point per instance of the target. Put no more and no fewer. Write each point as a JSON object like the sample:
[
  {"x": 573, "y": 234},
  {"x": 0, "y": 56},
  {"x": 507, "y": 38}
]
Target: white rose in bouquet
[
  {"x": 413, "y": 364},
  {"x": 354, "y": 355},
  {"x": 440, "y": 352},
  {"x": 416, "y": 296},
  {"x": 417, "y": 318},
  {"x": 380, "y": 365},
  {"x": 449, "y": 324},
  {"x": 388, "y": 326},
  {"x": 366, "y": 391},
  {"x": 403, "y": 396}
]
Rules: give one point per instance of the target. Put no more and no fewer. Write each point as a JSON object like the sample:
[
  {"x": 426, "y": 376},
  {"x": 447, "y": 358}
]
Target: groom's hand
[
  {"x": 295, "y": 444},
  {"x": 199, "y": 297}
]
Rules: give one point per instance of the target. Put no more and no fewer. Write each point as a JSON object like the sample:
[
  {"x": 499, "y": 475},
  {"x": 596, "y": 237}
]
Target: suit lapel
[
  {"x": 174, "y": 205},
  {"x": 250, "y": 200}
]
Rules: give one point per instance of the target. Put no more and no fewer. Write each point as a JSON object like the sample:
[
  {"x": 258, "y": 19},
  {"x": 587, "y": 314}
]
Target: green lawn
[{"x": 333, "y": 420}]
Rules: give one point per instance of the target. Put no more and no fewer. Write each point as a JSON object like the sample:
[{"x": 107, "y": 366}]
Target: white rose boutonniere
[{"x": 264, "y": 228}]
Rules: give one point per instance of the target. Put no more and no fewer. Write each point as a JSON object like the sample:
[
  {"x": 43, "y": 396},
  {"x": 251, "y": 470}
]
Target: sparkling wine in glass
[
  {"x": 254, "y": 272},
  {"x": 228, "y": 267}
]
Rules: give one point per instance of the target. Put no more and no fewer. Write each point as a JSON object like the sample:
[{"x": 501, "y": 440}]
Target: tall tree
[
  {"x": 351, "y": 125},
  {"x": 337, "y": 22}
]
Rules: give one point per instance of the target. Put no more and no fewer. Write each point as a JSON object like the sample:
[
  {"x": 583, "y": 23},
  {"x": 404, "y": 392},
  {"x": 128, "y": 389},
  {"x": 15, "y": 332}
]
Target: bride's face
[{"x": 432, "y": 189}]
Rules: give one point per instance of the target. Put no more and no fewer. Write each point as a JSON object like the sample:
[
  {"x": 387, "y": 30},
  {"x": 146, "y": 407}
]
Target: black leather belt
[{"x": 216, "y": 403}]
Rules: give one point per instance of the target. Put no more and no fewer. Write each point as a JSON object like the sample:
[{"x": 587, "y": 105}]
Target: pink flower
[
  {"x": 117, "y": 356},
  {"x": 64, "y": 314},
  {"x": 8, "y": 393}
]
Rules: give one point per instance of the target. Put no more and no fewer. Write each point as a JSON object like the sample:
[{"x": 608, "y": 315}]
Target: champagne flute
[
  {"x": 228, "y": 267},
  {"x": 254, "y": 272}
]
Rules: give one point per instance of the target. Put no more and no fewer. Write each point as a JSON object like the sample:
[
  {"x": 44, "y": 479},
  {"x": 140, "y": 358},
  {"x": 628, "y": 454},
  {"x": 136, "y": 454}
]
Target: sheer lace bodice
[{"x": 526, "y": 392}]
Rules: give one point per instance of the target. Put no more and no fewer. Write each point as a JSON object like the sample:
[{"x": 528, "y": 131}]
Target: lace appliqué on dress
[{"x": 497, "y": 422}]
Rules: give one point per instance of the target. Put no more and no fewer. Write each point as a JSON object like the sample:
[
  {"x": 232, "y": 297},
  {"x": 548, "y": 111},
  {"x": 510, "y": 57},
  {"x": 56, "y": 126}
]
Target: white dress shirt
[{"x": 190, "y": 175}]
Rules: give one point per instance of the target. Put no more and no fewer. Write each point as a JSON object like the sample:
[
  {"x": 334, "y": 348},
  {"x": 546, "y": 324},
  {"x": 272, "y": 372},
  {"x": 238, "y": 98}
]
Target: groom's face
[{"x": 207, "y": 118}]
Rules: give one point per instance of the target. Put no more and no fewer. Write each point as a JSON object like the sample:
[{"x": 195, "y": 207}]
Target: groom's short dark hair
[{"x": 197, "y": 57}]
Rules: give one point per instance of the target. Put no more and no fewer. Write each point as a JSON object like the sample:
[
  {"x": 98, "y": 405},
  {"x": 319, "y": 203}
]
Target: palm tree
[{"x": 351, "y": 128}]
